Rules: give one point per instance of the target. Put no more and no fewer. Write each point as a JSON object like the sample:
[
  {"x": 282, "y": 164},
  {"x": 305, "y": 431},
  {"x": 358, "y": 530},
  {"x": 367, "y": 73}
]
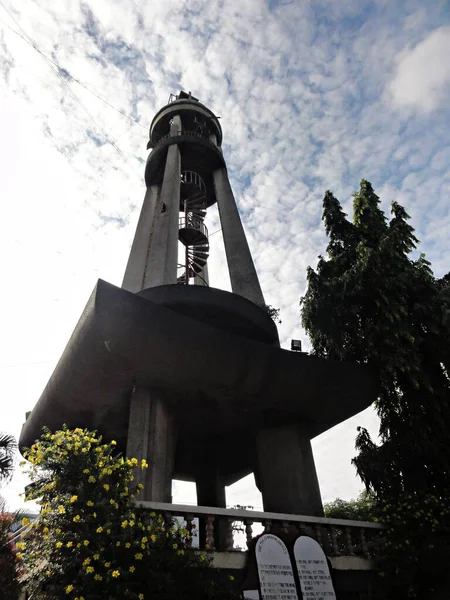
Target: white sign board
[
  {"x": 313, "y": 571},
  {"x": 276, "y": 577},
  {"x": 251, "y": 595}
]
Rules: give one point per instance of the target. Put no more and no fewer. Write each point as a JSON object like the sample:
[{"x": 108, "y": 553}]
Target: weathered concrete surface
[
  {"x": 220, "y": 387},
  {"x": 152, "y": 436},
  {"x": 244, "y": 280},
  {"x": 162, "y": 258},
  {"x": 221, "y": 309},
  {"x": 285, "y": 471},
  {"x": 137, "y": 266}
]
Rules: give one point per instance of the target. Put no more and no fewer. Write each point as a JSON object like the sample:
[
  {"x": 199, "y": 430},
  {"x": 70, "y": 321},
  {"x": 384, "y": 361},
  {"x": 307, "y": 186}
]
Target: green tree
[
  {"x": 8, "y": 562},
  {"x": 370, "y": 301},
  {"x": 90, "y": 540},
  {"x": 361, "y": 509}
]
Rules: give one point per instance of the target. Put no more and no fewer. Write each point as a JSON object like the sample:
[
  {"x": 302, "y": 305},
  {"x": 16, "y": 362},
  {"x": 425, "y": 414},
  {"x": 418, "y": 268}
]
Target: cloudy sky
[{"x": 312, "y": 95}]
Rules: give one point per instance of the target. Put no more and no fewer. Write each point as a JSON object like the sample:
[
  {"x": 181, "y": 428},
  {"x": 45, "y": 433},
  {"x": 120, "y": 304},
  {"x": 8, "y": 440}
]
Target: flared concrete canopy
[{"x": 220, "y": 386}]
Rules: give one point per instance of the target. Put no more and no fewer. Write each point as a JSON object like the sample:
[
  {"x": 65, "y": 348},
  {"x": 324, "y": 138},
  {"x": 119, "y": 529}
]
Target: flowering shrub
[
  {"x": 90, "y": 541},
  {"x": 9, "y": 586}
]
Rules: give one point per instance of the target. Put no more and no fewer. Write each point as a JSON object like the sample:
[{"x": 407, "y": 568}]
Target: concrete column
[
  {"x": 211, "y": 492},
  {"x": 244, "y": 280},
  {"x": 285, "y": 472},
  {"x": 162, "y": 260},
  {"x": 135, "y": 272},
  {"x": 152, "y": 435}
]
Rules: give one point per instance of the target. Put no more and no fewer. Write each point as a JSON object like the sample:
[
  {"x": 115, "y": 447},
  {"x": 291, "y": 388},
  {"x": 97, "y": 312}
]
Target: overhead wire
[{"x": 58, "y": 72}]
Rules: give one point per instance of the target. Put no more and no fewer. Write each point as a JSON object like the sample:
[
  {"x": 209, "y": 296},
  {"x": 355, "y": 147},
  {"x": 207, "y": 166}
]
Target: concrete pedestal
[
  {"x": 285, "y": 471},
  {"x": 152, "y": 435}
]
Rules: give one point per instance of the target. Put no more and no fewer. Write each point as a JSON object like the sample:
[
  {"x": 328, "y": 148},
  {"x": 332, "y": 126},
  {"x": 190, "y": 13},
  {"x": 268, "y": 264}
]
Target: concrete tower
[{"x": 190, "y": 377}]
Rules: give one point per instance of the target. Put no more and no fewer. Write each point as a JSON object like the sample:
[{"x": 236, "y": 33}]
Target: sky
[{"x": 312, "y": 95}]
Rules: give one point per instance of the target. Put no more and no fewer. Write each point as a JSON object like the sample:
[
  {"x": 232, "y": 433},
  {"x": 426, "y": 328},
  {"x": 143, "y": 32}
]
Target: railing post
[
  {"x": 229, "y": 541},
  {"x": 334, "y": 541},
  {"x": 209, "y": 532},
  {"x": 267, "y": 525},
  {"x": 348, "y": 538},
  {"x": 364, "y": 548},
  {"x": 189, "y": 528},
  {"x": 248, "y": 531}
]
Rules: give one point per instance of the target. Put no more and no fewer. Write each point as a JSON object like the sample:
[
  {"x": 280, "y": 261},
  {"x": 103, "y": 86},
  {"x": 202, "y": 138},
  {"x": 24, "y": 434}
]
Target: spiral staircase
[{"x": 193, "y": 233}]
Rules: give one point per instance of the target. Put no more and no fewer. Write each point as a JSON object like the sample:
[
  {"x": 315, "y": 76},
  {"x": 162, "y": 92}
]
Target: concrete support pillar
[
  {"x": 152, "y": 435},
  {"x": 162, "y": 259},
  {"x": 211, "y": 492},
  {"x": 244, "y": 280},
  {"x": 136, "y": 270},
  {"x": 285, "y": 471}
]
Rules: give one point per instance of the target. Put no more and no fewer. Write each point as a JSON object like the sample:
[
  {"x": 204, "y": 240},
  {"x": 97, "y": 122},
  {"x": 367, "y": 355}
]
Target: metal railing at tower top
[
  {"x": 185, "y": 132},
  {"x": 338, "y": 537}
]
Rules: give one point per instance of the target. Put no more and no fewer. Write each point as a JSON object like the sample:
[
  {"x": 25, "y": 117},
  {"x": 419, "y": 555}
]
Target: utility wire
[{"x": 57, "y": 71}]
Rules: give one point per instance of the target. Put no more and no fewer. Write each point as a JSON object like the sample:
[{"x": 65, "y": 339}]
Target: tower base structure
[{"x": 193, "y": 380}]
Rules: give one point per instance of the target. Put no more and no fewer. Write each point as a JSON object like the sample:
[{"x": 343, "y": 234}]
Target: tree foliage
[
  {"x": 364, "y": 508},
  {"x": 372, "y": 302},
  {"x": 90, "y": 540},
  {"x": 8, "y": 448}
]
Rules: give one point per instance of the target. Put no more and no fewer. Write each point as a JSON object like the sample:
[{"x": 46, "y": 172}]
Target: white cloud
[{"x": 422, "y": 78}]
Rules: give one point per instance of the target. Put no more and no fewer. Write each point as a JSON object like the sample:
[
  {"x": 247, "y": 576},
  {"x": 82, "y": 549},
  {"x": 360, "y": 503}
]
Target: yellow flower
[
  {"x": 231, "y": 578},
  {"x": 124, "y": 523},
  {"x": 91, "y": 479},
  {"x": 98, "y": 577},
  {"x": 86, "y": 471},
  {"x": 144, "y": 539},
  {"x": 19, "y": 555},
  {"x": 58, "y": 531},
  {"x": 61, "y": 509},
  {"x": 128, "y": 545},
  {"x": 132, "y": 569},
  {"x": 141, "y": 596},
  {"x": 106, "y": 486},
  {"x": 175, "y": 546},
  {"x": 86, "y": 542},
  {"x": 107, "y": 565},
  {"x": 96, "y": 556},
  {"x": 87, "y": 561},
  {"x": 45, "y": 530},
  {"x": 76, "y": 518},
  {"x": 144, "y": 464},
  {"x": 47, "y": 573},
  {"x": 59, "y": 544},
  {"x": 131, "y": 523},
  {"x": 25, "y": 521},
  {"x": 69, "y": 588},
  {"x": 113, "y": 443},
  {"x": 73, "y": 499},
  {"x": 138, "y": 556},
  {"x": 69, "y": 544},
  {"x": 99, "y": 529},
  {"x": 115, "y": 574},
  {"x": 20, "y": 545},
  {"x": 89, "y": 503},
  {"x": 90, "y": 570},
  {"x": 117, "y": 544}
]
